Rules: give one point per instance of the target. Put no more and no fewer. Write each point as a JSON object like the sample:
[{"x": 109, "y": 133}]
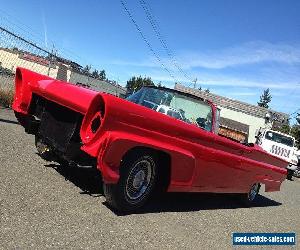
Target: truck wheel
[
  {"x": 44, "y": 151},
  {"x": 137, "y": 180},
  {"x": 297, "y": 172},
  {"x": 248, "y": 199},
  {"x": 290, "y": 174}
]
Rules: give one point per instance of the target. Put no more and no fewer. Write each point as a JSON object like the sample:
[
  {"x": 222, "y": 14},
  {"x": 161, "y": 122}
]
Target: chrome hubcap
[{"x": 139, "y": 179}]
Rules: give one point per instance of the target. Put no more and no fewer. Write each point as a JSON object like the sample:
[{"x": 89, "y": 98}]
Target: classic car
[{"x": 137, "y": 148}]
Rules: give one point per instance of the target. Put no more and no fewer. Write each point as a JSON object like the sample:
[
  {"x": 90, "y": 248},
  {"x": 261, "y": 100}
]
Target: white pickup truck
[{"x": 280, "y": 145}]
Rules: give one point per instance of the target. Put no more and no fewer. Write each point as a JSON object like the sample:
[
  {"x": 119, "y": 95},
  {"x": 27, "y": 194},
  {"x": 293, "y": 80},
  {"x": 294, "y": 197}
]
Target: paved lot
[{"x": 43, "y": 205}]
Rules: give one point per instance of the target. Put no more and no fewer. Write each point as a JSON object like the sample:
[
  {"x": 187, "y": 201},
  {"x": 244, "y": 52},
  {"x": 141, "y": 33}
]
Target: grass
[{"x": 6, "y": 97}]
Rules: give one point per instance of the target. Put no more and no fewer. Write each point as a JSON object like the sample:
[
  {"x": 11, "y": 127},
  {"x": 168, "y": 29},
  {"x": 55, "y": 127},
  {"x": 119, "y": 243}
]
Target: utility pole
[
  {"x": 117, "y": 86},
  {"x": 195, "y": 81},
  {"x": 52, "y": 56}
]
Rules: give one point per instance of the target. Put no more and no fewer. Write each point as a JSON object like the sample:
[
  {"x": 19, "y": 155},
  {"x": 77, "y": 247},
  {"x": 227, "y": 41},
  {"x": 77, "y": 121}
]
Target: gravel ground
[{"x": 44, "y": 205}]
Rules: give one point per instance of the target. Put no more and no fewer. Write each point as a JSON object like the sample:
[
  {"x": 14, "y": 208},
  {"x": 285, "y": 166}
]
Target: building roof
[{"x": 235, "y": 105}]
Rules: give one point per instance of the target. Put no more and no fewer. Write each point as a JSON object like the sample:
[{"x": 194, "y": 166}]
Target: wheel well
[{"x": 163, "y": 161}]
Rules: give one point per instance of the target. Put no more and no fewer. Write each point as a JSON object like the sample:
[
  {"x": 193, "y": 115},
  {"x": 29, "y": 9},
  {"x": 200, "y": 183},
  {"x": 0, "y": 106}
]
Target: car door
[{"x": 219, "y": 167}]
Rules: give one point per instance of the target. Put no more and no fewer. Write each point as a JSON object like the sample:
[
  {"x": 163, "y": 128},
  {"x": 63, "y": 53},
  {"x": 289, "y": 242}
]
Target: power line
[
  {"x": 34, "y": 34},
  {"x": 145, "y": 39},
  {"x": 24, "y": 40},
  {"x": 160, "y": 37},
  {"x": 14, "y": 27}
]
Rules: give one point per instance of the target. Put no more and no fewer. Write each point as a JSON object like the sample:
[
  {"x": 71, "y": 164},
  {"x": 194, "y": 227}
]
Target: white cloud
[
  {"x": 269, "y": 65},
  {"x": 149, "y": 62},
  {"x": 218, "y": 80},
  {"x": 247, "y": 53}
]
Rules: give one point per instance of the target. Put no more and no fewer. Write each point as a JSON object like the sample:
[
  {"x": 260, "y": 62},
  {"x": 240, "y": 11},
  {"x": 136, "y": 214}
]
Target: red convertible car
[{"x": 157, "y": 138}]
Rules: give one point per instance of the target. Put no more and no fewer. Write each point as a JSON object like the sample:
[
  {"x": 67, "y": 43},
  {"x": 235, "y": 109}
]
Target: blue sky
[{"x": 234, "y": 48}]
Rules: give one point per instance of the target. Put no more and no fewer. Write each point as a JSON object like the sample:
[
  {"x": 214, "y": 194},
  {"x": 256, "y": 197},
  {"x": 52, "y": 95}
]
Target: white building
[
  {"x": 239, "y": 120},
  {"x": 61, "y": 69}
]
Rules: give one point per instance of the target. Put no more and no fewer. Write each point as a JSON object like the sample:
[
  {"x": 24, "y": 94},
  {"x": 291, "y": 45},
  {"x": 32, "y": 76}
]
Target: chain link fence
[{"x": 16, "y": 51}]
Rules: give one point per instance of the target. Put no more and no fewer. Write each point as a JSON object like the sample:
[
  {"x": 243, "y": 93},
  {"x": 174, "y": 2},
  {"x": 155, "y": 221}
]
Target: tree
[
  {"x": 295, "y": 131},
  {"x": 265, "y": 98},
  {"x": 102, "y": 75},
  {"x": 298, "y": 118},
  {"x": 95, "y": 74},
  {"x": 86, "y": 70},
  {"x": 135, "y": 83},
  {"x": 207, "y": 91},
  {"x": 285, "y": 128},
  {"x": 4, "y": 71},
  {"x": 147, "y": 81}
]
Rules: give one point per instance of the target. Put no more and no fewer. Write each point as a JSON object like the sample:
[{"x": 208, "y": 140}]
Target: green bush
[{"x": 6, "y": 97}]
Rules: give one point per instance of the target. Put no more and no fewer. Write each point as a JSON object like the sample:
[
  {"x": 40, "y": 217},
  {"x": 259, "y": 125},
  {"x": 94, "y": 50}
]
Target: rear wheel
[
  {"x": 44, "y": 151},
  {"x": 250, "y": 197},
  {"x": 297, "y": 172},
  {"x": 136, "y": 183}
]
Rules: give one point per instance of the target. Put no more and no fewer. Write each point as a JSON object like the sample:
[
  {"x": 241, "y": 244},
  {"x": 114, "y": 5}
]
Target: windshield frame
[{"x": 197, "y": 98}]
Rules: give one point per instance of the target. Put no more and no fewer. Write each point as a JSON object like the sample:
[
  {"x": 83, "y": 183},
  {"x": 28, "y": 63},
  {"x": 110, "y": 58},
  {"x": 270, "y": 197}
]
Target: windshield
[
  {"x": 279, "y": 138},
  {"x": 176, "y": 105}
]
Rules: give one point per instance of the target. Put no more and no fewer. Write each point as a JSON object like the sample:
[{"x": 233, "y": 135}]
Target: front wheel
[{"x": 136, "y": 183}]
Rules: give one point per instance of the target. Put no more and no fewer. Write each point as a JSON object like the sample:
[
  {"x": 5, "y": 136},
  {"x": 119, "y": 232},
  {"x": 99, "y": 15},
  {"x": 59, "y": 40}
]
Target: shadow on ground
[
  {"x": 89, "y": 181},
  {"x": 185, "y": 202},
  {"x": 8, "y": 121}
]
